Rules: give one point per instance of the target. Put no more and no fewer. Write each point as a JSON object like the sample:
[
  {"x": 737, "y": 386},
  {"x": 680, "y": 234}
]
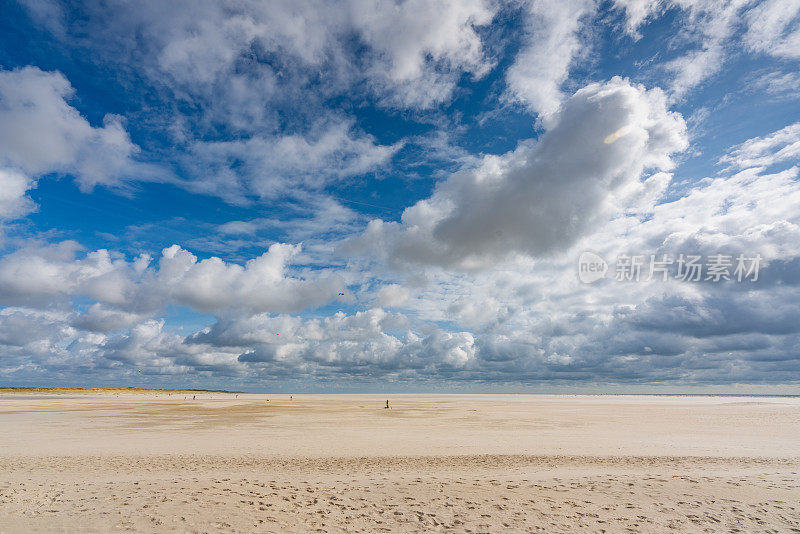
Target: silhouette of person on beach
[
  {"x": 194, "y": 397},
  {"x": 387, "y": 405}
]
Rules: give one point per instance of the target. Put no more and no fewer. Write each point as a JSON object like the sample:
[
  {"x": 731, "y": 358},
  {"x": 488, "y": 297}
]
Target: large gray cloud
[{"x": 546, "y": 194}]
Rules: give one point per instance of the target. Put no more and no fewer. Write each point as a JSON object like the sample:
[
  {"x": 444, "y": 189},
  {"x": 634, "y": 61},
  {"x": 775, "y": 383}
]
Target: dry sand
[{"x": 106, "y": 461}]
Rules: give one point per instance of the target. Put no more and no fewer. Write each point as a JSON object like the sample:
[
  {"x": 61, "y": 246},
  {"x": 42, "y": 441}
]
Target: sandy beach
[{"x": 100, "y": 462}]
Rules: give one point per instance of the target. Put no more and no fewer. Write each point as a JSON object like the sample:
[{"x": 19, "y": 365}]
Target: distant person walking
[{"x": 387, "y": 405}]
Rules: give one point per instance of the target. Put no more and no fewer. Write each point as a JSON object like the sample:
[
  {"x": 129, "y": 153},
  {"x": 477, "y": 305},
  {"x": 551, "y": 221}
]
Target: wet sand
[{"x": 99, "y": 462}]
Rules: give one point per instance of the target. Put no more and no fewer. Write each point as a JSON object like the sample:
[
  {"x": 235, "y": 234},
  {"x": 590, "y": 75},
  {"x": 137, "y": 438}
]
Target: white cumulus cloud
[{"x": 41, "y": 133}]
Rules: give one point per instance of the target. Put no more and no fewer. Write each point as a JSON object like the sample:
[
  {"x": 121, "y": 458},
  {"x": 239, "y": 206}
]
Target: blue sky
[{"x": 360, "y": 196}]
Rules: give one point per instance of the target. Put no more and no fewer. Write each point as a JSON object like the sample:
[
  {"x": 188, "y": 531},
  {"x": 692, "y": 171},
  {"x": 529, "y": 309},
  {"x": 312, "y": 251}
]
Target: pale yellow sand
[{"x": 100, "y": 462}]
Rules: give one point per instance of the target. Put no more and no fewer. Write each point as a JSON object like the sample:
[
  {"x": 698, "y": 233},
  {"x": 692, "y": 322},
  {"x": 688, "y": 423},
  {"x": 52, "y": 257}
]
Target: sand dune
[{"x": 99, "y": 463}]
